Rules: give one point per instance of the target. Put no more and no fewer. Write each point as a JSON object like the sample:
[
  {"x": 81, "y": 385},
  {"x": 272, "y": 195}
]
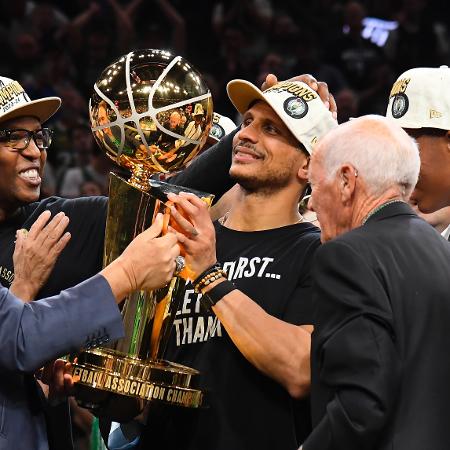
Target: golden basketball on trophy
[{"x": 151, "y": 112}]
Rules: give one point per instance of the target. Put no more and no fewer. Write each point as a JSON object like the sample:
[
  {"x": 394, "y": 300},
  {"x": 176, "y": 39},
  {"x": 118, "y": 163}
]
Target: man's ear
[
  {"x": 347, "y": 182},
  {"x": 303, "y": 169}
]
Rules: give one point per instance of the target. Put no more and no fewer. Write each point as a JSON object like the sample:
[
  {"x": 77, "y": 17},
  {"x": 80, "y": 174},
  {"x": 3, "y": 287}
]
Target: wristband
[{"x": 215, "y": 294}]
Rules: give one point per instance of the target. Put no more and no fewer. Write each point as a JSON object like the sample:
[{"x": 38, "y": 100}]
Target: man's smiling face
[
  {"x": 20, "y": 170},
  {"x": 266, "y": 155}
]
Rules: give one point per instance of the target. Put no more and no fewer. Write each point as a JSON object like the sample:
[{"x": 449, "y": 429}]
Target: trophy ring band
[{"x": 180, "y": 263}]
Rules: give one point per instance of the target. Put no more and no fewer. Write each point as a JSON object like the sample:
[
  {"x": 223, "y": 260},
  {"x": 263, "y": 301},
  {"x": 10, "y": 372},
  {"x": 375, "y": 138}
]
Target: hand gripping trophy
[{"x": 151, "y": 113}]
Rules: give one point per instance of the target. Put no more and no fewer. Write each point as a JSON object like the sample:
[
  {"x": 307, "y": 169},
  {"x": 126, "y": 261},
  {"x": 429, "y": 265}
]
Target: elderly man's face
[
  {"x": 20, "y": 170},
  {"x": 174, "y": 120},
  {"x": 325, "y": 200},
  {"x": 432, "y": 191}
]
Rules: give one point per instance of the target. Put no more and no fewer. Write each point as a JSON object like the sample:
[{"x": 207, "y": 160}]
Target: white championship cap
[
  {"x": 14, "y": 102},
  {"x": 297, "y": 105},
  {"x": 420, "y": 98},
  {"x": 221, "y": 126}
]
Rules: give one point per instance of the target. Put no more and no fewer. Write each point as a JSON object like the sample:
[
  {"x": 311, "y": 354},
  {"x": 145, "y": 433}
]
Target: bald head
[{"x": 381, "y": 152}]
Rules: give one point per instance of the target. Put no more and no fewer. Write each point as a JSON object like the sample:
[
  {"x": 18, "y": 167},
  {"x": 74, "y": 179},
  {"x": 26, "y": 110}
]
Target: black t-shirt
[
  {"x": 82, "y": 257},
  {"x": 246, "y": 409}
]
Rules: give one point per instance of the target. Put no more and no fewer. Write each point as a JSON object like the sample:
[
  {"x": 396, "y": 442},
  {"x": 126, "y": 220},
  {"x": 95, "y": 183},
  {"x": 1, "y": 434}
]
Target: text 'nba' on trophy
[{"x": 151, "y": 113}]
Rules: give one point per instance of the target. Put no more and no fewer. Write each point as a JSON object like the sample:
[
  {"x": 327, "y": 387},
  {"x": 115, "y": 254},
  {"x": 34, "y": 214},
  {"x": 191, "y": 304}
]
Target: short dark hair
[
  {"x": 427, "y": 131},
  {"x": 303, "y": 149}
]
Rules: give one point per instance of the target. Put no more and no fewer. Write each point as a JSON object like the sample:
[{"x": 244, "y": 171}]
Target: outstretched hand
[
  {"x": 36, "y": 252},
  {"x": 319, "y": 86},
  {"x": 147, "y": 263}
]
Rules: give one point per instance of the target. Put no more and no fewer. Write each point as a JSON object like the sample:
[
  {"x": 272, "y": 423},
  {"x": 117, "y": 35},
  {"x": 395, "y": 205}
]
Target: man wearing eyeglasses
[{"x": 23, "y": 153}]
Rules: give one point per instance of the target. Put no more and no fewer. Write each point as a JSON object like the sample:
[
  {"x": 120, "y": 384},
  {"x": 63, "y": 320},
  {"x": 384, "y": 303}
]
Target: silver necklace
[{"x": 379, "y": 208}]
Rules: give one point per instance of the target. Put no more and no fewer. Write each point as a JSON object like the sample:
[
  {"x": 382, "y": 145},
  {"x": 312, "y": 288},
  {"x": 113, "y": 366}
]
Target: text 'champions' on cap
[{"x": 14, "y": 102}]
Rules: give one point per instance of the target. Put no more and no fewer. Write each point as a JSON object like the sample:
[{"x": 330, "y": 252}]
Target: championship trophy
[{"x": 150, "y": 112}]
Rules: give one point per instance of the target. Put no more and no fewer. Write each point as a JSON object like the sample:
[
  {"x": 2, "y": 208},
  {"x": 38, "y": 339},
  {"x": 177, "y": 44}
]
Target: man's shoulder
[
  {"x": 302, "y": 234},
  {"x": 83, "y": 207},
  {"x": 309, "y": 231},
  {"x": 377, "y": 236},
  {"x": 351, "y": 243},
  {"x": 63, "y": 204}
]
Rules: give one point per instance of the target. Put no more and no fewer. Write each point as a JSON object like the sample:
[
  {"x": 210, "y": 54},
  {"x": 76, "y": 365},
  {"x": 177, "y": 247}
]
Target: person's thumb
[
  {"x": 271, "y": 80},
  {"x": 156, "y": 228}
]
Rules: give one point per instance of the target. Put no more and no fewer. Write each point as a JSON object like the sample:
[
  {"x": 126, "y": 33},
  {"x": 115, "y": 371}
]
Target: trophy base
[{"x": 99, "y": 371}]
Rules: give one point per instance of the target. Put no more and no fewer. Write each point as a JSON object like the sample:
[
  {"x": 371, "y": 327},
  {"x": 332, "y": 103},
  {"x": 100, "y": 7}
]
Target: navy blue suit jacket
[{"x": 34, "y": 333}]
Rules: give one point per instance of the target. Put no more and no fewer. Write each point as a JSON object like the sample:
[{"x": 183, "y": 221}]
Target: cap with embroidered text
[
  {"x": 14, "y": 102},
  {"x": 297, "y": 105},
  {"x": 420, "y": 98}
]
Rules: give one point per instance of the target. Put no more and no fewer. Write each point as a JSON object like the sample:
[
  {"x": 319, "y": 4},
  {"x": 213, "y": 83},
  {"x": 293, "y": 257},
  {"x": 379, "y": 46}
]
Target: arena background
[{"x": 60, "y": 48}]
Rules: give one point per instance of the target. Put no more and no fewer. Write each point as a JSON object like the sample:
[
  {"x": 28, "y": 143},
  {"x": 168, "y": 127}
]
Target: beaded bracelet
[
  {"x": 214, "y": 267},
  {"x": 209, "y": 276}
]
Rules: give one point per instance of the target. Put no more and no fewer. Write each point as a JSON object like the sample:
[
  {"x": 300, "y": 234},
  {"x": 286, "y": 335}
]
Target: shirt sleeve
[
  {"x": 355, "y": 364},
  {"x": 36, "y": 332}
]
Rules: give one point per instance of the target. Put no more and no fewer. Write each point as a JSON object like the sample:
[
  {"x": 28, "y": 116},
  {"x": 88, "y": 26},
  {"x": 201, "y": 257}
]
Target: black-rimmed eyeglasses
[{"x": 19, "y": 139}]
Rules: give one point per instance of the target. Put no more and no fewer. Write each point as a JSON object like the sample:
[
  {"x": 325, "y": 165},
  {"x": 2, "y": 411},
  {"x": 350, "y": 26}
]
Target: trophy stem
[{"x": 140, "y": 177}]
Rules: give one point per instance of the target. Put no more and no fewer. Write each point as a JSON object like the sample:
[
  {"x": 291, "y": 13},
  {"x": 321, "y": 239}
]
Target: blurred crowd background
[{"x": 359, "y": 48}]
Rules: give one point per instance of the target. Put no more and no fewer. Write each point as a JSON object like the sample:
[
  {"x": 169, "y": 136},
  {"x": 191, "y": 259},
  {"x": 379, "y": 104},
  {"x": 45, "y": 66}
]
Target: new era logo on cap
[
  {"x": 14, "y": 102},
  {"x": 420, "y": 98},
  {"x": 297, "y": 105},
  {"x": 435, "y": 114}
]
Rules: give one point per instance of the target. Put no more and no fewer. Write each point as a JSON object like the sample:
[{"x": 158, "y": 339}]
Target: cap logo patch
[
  {"x": 295, "y": 107},
  {"x": 435, "y": 114},
  {"x": 400, "y": 105},
  {"x": 217, "y": 131}
]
